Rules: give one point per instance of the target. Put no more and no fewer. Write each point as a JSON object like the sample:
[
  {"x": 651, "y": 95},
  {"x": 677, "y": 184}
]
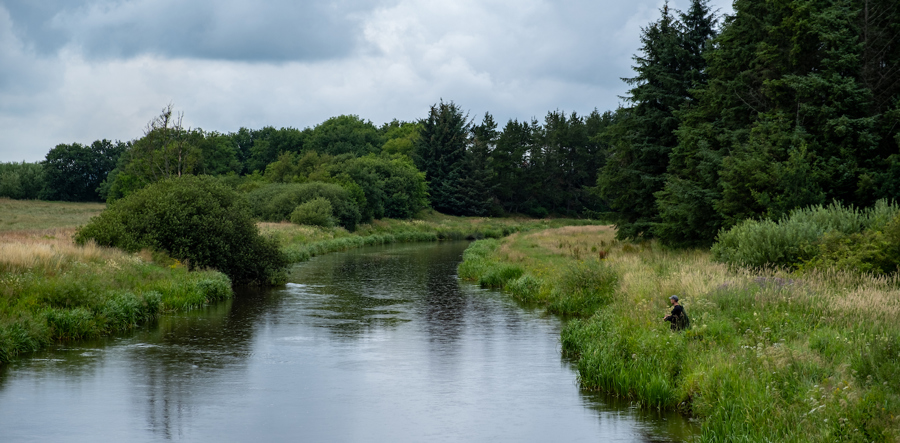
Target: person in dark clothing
[{"x": 678, "y": 317}]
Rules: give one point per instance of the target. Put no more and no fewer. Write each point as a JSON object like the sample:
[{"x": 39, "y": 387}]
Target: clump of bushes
[
  {"x": 316, "y": 212},
  {"x": 817, "y": 236},
  {"x": 196, "y": 220},
  {"x": 277, "y": 201}
]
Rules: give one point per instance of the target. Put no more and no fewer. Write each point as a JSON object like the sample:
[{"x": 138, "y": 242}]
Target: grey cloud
[{"x": 275, "y": 30}]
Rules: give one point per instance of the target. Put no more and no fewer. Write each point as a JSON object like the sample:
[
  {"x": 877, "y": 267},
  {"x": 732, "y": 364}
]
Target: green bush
[
  {"x": 195, "y": 219},
  {"x": 316, "y": 212},
  {"x": 806, "y": 234},
  {"x": 277, "y": 201}
]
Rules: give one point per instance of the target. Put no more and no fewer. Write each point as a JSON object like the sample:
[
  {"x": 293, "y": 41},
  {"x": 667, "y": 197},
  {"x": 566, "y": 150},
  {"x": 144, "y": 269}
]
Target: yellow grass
[
  {"x": 648, "y": 272},
  {"x": 52, "y": 250}
]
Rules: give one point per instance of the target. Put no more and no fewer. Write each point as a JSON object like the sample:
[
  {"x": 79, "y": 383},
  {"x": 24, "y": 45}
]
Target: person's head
[{"x": 673, "y": 299}]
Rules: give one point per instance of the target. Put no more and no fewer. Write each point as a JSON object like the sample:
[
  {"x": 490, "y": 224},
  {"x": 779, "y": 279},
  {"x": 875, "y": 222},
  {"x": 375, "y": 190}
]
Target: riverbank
[
  {"x": 770, "y": 356},
  {"x": 301, "y": 242},
  {"x": 53, "y": 290}
]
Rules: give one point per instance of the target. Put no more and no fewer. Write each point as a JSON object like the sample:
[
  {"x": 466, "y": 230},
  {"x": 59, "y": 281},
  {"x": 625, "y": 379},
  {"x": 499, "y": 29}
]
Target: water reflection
[{"x": 374, "y": 345}]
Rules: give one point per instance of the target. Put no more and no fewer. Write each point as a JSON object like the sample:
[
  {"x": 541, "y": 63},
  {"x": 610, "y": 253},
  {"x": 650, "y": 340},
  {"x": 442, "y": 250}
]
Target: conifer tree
[
  {"x": 441, "y": 154},
  {"x": 476, "y": 188},
  {"x": 669, "y": 67}
]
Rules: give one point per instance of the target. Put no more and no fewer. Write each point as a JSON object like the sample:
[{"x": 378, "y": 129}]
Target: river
[{"x": 379, "y": 344}]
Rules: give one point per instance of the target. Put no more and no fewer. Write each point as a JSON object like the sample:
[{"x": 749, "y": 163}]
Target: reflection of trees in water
[
  {"x": 364, "y": 290},
  {"x": 193, "y": 354},
  {"x": 374, "y": 289},
  {"x": 445, "y": 303}
]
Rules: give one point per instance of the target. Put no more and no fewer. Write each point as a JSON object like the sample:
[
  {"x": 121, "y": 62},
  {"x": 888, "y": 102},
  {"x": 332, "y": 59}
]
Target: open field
[
  {"x": 770, "y": 356},
  {"x": 17, "y": 215}
]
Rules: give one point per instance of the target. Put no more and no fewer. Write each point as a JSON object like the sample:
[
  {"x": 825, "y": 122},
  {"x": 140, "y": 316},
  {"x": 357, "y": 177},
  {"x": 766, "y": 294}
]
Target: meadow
[
  {"x": 53, "y": 290},
  {"x": 771, "y": 355}
]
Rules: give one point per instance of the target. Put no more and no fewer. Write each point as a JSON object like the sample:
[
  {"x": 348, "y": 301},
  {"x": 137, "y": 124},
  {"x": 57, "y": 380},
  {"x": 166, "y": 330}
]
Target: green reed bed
[
  {"x": 73, "y": 298},
  {"x": 771, "y": 355}
]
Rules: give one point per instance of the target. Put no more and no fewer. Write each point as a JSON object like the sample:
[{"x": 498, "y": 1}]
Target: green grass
[
  {"x": 86, "y": 299},
  {"x": 301, "y": 242},
  {"x": 771, "y": 355},
  {"x": 52, "y": 290},
  {"x": 34, "y": 214}
]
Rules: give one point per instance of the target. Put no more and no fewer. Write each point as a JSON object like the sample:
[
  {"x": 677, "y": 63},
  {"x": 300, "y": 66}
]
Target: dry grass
[{"x": 52, "y": 251}]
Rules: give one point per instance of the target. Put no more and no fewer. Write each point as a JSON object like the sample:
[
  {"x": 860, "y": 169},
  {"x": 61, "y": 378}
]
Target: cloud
[
  {"x": 515, "y": 59},
  {"x": 272, "y": 31}
]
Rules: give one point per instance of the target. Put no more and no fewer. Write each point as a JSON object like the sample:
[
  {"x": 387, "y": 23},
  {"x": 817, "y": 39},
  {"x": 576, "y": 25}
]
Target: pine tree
[
  {"x": 476, "y": 188},
  {"x": 441, "y": 154},
  {"x": 669, "y": 67}
]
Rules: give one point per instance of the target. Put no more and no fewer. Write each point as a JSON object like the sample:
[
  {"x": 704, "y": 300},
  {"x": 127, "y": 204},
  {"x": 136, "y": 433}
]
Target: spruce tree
[
  {"x": 668, "y": 68},
  {"x": 441, "y": 154},
  {"x": 476, "y": 188}
]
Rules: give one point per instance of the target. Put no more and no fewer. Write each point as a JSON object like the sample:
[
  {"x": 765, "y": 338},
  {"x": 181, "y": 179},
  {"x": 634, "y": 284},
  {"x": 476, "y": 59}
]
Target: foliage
[
  {"x": 275, "y": 202},
  {"x": 381, "y": 186},
  {"x": 21, "y": 180},
  {"x": 441, "y": 153},
  {"x": 344, "y": 134},
  {"x": 795, "y": 112},
  {"x": 168, "y": 150},
  {"x": 815, "y": 234},
  {"x": 194, "y": 219},
  {"x": 400, "y": 137},
  {"x": 316, "y": 212},
  {"x": 669, "y": 67},
  {"x": 391, "y": 187},
  {"x": 75, "y": 172}
]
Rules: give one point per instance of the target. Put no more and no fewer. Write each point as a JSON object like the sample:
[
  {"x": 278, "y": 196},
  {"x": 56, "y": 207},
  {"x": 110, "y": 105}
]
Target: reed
[
  {"x": 772, "y": 355},
  {"x": 52, "y": 289}
]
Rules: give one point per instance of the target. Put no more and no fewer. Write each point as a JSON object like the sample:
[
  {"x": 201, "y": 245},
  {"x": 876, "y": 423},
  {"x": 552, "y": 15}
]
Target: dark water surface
[{"x": 375, "y": 345}]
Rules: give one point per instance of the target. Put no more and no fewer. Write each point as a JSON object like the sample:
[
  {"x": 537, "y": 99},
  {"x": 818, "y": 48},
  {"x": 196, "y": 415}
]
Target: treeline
[
  {"x": 784, "y": 104},
  {"x": 446, "y": 161},
  {"x": 791, "y": 103}
]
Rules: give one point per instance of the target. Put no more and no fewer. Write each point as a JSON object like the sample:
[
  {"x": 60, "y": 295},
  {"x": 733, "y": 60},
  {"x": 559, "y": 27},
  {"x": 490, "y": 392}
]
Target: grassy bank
[
  {"x": 771, "y": 356},
  {"x": 52, "y": 290},
  {"x": 302, "y": 242}
]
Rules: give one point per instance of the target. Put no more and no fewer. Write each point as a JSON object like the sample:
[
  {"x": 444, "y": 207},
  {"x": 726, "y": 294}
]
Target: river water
[{"x": 380, "y": 344}]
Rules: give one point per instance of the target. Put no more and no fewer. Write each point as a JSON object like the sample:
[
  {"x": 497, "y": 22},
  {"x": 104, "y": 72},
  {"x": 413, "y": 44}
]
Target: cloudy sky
[{"x": 81, "y": 70}]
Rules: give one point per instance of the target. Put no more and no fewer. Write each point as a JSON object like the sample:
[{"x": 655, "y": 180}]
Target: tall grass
[
  {"x": 52, "y": 289},
  {"x": 772, "y": 355}
]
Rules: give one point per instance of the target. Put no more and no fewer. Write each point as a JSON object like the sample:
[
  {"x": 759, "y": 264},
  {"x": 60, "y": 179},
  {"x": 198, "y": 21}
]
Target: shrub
[
  {"x": 276, "y": 202},
  {"x": 195, "y": 219},
  {"x": 316, "y": 212},
  {"x": 806, "y": 234}
]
